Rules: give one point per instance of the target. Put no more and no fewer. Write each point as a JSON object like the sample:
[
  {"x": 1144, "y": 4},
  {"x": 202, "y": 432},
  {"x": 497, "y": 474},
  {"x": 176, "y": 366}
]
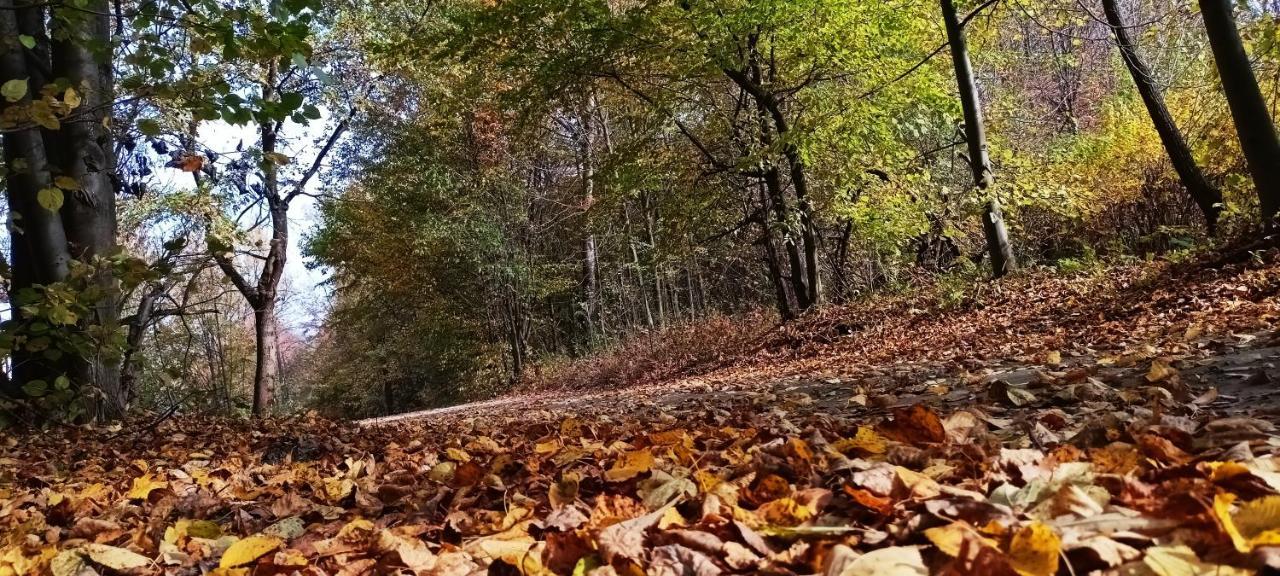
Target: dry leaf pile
[{"x": 1117, "y": 460}]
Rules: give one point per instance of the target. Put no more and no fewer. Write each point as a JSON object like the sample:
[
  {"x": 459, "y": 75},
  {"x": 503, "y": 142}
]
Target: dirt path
[{"x": 1235, "y": 375}]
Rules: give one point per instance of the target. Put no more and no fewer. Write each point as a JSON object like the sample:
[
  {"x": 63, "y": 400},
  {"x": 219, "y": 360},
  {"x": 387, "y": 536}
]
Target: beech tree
[{"x": 57, "y": 80}]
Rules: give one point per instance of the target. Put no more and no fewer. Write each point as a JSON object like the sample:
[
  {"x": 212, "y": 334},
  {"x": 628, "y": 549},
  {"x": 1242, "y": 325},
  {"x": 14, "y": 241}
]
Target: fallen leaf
[
  {"x": 630, "y": 465},
  {"x": 1034, "y": 550},
  {"x": 118, "y": 559},
  {"x": 891, "y": 561},
  {"x": 143, "y": 486},
  {"x": 1160, "y": 371},
  {"x": 247, "y": 550},
  {"x": 918, "y": 424}
]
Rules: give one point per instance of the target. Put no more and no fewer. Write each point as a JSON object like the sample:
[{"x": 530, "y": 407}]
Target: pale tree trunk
[
  {"x": 651, "y": 235},
  {"x": 1205, "y": 195},
  {"x": 590, "y": 277},
  {"x": 1253, "y": 122},
  {"x": 997, "y": 235},
  {"x": 266, "y": 374}
]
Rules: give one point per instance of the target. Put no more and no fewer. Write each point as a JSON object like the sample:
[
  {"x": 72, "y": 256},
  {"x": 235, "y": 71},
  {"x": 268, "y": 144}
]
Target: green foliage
[{"x": 57, "y": 321}]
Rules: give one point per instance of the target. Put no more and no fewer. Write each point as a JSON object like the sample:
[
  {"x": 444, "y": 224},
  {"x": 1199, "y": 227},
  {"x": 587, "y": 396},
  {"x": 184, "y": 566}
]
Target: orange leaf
[
  {"x": 877, "y": 504},
  {"x": 918, "y": 424},
  {"x": 630, "y": 465}
]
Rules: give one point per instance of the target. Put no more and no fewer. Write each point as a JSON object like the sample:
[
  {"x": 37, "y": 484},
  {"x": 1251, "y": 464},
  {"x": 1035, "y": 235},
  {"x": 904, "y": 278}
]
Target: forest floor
[{"x": 1120, "y": 420}]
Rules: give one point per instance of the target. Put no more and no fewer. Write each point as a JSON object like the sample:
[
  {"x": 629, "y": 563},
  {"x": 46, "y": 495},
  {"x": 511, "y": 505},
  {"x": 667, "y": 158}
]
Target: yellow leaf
[
  {"x": 1193, "y": 331},
  {"x": 916, "y": 485},
  {"x": 457, "y": 455},
  {"x": 355, "y": 529},
  {"x": 1180, "y": 560},
  {"x": 1053, "y": 358},
  {"x": 42, "y": 114},
  {"x": 143, "y": 486},
  {"x": 950, "y": 539},
  {"x": 66, "y": 183},
  {"x": 866, "y": 442},
  {"x": 289, "y": 558},
  {"x": 630, "y": 465},
  {"x": 335, "y": 489},
  {"x": 671, "y": 518},
  {"x": 247, "y": 550},
  {"x": 524, "y": 554},
  {"x": 1256, "y": 523},
  {"x": 549, "y": 447},
  {"x": 65, "y": 563},
  {"x": 1160, "y": 370},
  {"x": 565, "y": 491},
  {"x": 14, "y": 90},
  {"x": 1220, "y": 471},
  {"x": 1034, "y": 550},
  {"x": 71, "y": 98},
  {"x": 785, "y": 512},
  {"x": 206, "y": 529}
]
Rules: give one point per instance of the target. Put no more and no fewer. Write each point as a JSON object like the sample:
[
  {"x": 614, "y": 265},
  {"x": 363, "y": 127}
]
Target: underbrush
[{"x": 656, "y": 355}]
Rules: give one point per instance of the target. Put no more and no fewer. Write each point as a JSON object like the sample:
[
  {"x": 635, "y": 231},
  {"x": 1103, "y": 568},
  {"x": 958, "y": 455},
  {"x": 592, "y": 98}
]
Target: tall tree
[
  {"x": 57, "y": 70},
  {"x": 1205, "y": 195},
  {"x": 263, "y": 294},
  {"x": 998, "y": 246},
  {"x": 1253, "y": 122}
]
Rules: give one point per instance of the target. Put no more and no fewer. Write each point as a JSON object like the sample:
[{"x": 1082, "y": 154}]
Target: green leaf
[
  {"x": 14, "y": 90},
  {"x": 50, "y": 198},
  {"x": 291, "y": 100},
  {"x": 62, "y": 383},
  {"x": 28, "y": 41},
  {"x": 35, "y": 388},
  {"x": 149, "y": 127}
]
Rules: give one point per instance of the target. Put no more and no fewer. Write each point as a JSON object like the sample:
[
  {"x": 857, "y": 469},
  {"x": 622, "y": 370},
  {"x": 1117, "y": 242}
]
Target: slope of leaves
[
  {"x": 1090, "y": 441},
  {"x": 1115, "y": 307}
]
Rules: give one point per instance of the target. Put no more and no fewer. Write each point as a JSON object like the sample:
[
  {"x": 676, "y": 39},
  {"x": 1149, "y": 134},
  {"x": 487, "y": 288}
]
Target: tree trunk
[
  {"x": 88, "y": 157},
  {"x": 1254, "y": 127},
  {"x": 44, "y": 242},
  {"x": 651, "y": 235},
  {"x": 266, "y": 374},
  {"x": 590, "y": 276},
  {"x": 1205, "y": 195},
  {"x": 38, "y": 243},
  {"x": 997, "y": 236},
  {"x": 993, "y": 228},
  {"x": 772, "y": 263},
  {"x": 778, "y": 199},
  {"x": 799, "y": 181}
]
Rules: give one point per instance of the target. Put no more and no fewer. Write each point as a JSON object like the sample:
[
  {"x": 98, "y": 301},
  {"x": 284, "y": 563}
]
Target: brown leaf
[
  {"x": 918, "y": 424},
  {"x": 677, "y": 560},
  {"x": 625, "y": 540}
]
